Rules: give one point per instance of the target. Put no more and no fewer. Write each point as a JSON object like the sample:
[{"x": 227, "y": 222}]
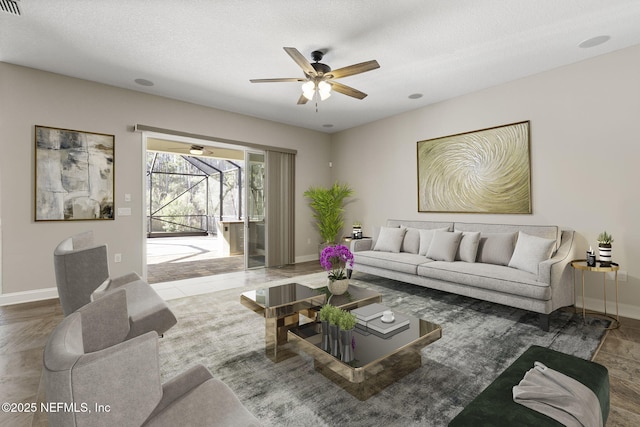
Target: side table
[{"x": 611, "y": 267}]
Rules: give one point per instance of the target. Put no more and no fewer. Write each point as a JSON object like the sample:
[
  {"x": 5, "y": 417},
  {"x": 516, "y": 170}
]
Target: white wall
[
  {"x": 29, "y": 97},
  {"x": 584, "y": 157}
]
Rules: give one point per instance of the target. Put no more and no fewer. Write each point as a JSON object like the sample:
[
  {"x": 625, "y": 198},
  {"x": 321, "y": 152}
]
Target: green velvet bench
[{"x": 495, "y": 405}]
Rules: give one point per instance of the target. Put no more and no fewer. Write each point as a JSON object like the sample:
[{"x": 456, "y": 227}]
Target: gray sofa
[{"x": 523, "y": 266}]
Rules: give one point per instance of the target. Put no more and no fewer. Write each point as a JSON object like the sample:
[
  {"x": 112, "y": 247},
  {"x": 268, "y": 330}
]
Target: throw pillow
[
  {"x": 411, "y": 242},
  {"x": 426, "y": 236},
  {"x": 444, "y": 245},
  {"x": 468, "y": 248},
  {"x": 496, "y": 248},
  {"x": 531, "y": 251},
  {"x": 390, "y": 239}
]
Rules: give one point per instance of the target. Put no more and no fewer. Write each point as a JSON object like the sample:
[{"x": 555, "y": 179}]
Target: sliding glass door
[{"x": 254, "y": 220}]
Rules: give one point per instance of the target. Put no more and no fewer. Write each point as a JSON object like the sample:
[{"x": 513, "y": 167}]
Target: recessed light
[
  {"x": 415, "y": 96},
  {"x": 594, "y": 41},
  {"x": 144, "y": 82},
  {"x": 327, "y": 125}
]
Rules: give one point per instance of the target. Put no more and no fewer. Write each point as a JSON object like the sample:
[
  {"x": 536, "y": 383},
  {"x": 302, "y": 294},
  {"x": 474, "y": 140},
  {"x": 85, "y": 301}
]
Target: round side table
[{"x": 610, "y": 267}]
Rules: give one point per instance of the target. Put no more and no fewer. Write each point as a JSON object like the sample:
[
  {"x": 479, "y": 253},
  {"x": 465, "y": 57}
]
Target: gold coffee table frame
[
  {"x": 612, "y": 267},
  {"x": 279, "y": 318}
]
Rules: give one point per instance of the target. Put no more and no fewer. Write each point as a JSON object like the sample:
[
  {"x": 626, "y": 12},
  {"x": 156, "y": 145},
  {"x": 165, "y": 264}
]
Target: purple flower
[{"x": 335, "y": 260}]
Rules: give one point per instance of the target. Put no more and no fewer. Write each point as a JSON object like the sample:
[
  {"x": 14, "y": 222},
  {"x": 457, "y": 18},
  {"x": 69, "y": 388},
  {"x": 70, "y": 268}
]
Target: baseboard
[
  {"x": 307, "y": 258},
  {"x": 625, "y": 310},
  {"x": 28, "y": 296}
]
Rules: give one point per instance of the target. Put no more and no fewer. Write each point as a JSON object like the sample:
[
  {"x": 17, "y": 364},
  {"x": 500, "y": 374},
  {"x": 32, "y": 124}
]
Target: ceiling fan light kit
[
  {"x": 319, "y": 78},
  {"x": 197, "y": 150}
]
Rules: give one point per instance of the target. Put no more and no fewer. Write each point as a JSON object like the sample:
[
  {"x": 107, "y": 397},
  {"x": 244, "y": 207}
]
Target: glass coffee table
[
  {"x": 283, "y": 307},
  {"x": 379, "y": 360}
]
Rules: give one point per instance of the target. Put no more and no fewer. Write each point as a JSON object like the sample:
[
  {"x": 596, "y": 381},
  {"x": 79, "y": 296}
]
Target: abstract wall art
[
  {"x": 74, "y": 175},
  {"x": 484, "y": 171}
]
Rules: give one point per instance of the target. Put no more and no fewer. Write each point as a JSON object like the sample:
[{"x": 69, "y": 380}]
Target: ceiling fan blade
[
  {"x": 302, "y": 100},
  {"x": 347, "y": 90},
  {"x": 301, "y": 61},
  {"x": 292, "y": 79},
  {"x": 354, "y": 69}
]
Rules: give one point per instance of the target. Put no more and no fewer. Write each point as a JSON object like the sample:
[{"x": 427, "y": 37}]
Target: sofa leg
[{"x": 544, "y": 322}]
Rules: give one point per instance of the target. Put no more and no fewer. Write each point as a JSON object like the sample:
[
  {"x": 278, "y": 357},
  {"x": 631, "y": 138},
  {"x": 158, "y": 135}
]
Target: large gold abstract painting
[{"x": 485, "y": 171}]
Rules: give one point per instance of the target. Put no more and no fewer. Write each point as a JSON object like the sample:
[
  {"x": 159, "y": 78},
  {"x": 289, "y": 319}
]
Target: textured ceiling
[{"x": 205, "y": 52}]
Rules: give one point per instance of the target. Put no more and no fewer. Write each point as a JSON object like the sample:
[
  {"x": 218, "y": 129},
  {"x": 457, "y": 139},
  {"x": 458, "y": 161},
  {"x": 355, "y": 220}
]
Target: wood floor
[{"x": 24, "y": 329}]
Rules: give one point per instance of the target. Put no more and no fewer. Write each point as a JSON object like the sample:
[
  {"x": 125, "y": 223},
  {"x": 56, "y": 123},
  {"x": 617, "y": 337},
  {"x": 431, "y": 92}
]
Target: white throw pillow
[
  {"x": 390, "y": 239},
  {"x": 426, "y": 236},
  {"x": 496, "y": 248},
  {"x": 530, "y": 252},
  {"x": 444, "y": 245},
  {"x": 468, "y": 248},
  {"x": 411, "y": 242}
]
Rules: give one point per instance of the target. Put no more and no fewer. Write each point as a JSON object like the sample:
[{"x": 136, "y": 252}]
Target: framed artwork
[
  {"x": 484, "y": 171},
  {"x": 74, "y": 175}
]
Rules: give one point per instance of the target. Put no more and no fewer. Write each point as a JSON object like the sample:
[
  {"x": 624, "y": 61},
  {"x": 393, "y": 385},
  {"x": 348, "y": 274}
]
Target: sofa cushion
[
  {"x": 530, "y": 251},
  {"x": 411, "y": 241},
  {"x": 468, "y": 249},
  {"x": 390, "y": 239},
  {"x": 496, "y": 248},
  {"x": 544, "y": 231},
  {"x": 426, "y": 236},
  {"x": 488, "y": 276},
  {"x": 400, "y": 262},
  {"x": 444, "y": 246}
]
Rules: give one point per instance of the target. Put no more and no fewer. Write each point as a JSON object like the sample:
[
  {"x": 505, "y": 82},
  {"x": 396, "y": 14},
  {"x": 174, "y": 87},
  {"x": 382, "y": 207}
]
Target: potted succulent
[
  {"x": 328, "y": 209},
  {"x": 338, "y": 261},
  {"x": 334, "y": 330},
  {"x": 325, "y": 314},
  {"x": 347, "y": 322},
  {"x": 604, "y": 246}
]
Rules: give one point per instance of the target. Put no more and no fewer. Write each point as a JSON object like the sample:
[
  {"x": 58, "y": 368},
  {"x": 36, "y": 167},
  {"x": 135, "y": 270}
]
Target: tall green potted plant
[{"x": 328, "y": 209}]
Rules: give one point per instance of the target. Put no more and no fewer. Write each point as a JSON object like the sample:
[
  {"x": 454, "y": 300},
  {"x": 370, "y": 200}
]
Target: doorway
[{"x": 199, "y": 209}]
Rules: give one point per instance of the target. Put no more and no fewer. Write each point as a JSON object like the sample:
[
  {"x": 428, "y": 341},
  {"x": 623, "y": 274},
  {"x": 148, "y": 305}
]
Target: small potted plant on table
[
  {"x": 347, "y": 322},
  {"x": 338, "y": 261},
  {"x": 604, "y": 247}
]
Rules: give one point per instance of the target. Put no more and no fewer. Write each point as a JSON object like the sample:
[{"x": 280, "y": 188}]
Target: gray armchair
[
  {"x": 82, "y": 275},
  {"x": 108, "y": 381}
]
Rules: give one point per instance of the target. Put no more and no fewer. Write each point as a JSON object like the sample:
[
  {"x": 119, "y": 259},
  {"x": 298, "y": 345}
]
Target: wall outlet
[
  {"x": 117, "y": 258},
  {"x": 309, "y": 241}
]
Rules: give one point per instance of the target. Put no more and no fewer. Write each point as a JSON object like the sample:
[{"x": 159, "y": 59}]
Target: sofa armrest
[
  {"x": 364, "y": 244},
  {"x": 550, "y": 271},
  {"x": 180, "y": 385},
  {"x": 112, "y": 284}
]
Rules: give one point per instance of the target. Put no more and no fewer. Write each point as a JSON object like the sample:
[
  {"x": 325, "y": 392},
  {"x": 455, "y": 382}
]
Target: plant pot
[
  {"x": 338, "y": 287},
  {"x": 334, "y": 335},
  {"x": 346, "y": 348},
  {"x": 325, "y": 344},
  {"x": 605, "y": 254}
]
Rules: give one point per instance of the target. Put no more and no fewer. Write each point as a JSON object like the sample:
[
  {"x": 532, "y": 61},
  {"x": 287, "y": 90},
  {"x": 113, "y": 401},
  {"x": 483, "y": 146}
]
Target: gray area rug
[{"x": 479, "y": 341}]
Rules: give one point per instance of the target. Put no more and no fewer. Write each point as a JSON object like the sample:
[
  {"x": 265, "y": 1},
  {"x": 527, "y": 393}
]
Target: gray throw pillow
[
  {"x": 426, "y": 236},
  {"x": 496, "y": 248},
  {"x": 468, "y": 248},
  {"x": 444, "y": 245},
  {"x": 390, "y": 239},
  {"x": 530, "y": 252},
  {"x": 411, "y": 242}
]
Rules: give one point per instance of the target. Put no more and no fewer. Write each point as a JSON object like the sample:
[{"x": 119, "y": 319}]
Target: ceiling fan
[{"x": 319, "y": 78}]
